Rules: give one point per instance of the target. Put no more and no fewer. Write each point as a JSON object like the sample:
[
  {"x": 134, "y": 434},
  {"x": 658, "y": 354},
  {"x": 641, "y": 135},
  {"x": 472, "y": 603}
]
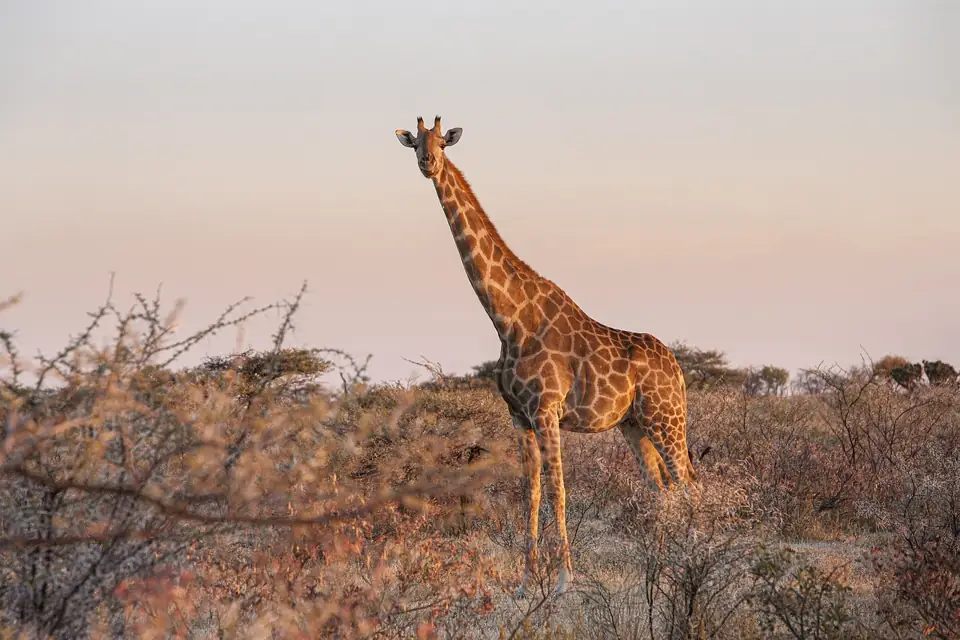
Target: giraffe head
[{"x": 429, "y": 145}]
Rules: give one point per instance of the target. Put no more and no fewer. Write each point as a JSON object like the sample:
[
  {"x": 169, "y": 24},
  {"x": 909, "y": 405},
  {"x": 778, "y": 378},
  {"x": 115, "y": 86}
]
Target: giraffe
[{"x": 558, "y": 368}]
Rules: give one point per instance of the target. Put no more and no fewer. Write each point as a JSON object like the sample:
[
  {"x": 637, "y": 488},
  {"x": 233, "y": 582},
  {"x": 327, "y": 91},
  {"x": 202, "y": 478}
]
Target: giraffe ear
[
  {"x": 406, "y": 138},
  {"x": 453, "y": 135}
]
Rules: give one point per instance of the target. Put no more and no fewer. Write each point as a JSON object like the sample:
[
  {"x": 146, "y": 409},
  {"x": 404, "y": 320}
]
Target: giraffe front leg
[
  {"x": 530, "y": 467},
  {"x": 548, "y": 428}
]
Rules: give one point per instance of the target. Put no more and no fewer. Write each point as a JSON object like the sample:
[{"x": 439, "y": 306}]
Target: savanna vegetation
[{"x": 278, "y": 493}]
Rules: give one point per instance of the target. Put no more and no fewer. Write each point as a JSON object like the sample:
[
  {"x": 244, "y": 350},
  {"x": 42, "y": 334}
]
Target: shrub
[
  {"x": 919, "y": 571},
  {"x": 120, "y": 487},
  {"x": 801, "y": 599},
  {"x": 249, "y": 497}
]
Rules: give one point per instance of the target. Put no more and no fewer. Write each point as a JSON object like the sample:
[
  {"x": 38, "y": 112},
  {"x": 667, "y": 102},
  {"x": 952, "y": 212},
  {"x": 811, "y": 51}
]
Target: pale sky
[{"x": 779, "y": 180}]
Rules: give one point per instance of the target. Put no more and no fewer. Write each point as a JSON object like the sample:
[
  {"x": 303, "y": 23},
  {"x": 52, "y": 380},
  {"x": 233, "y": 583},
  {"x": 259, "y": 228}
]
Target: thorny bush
[
  {"x": 248, "y": 497},
  {"x": 134, "y": 496}
]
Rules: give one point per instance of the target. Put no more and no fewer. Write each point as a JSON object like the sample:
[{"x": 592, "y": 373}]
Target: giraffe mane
[{"x": 488, "y": 223}]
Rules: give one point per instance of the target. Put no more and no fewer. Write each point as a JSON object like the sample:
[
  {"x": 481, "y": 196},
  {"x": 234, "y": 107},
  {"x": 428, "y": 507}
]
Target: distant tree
[
  {"x": 908, "y": 375},
  {"x": 883, "y": 368},
  {"x": 752, "y": 384},
  {"x": 705, "y": 368},
  {"x": 482, "y": 376},
  {"x": 939, "y": 373},
  {"x": 859, "y": 373},
  {"x": 486, "y": 370},
  {"x": 774, "y": 379},
  {"x": 814, "y": 382},
  {"x": 297, "y": 370},
  {"x": 768, "y": 380},
  {"x": 733, "y": 377}
]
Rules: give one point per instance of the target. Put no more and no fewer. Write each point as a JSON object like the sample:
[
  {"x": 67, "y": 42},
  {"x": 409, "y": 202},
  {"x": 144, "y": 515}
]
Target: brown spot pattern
[{"x": 561, "y": 369}]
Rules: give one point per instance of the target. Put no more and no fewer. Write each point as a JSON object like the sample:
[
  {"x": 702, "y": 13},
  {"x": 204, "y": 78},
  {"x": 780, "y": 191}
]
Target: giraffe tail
[
  {"x": 690, "y": 458},
  {"x": 691, "y": 470}
]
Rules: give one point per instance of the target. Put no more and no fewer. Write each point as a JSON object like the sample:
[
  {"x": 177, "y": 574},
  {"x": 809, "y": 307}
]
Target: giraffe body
[{"x": 558, "y": 368}]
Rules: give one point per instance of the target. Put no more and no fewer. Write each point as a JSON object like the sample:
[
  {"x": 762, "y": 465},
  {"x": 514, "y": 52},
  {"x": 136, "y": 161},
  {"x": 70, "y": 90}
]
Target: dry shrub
[
  {"x": 919, "y": 570},
  {"x": 682, "y": 570},
  {"x": 876, "y": 425},
  {"x": 820, "y": 456},
  {"x": 352, "y": 585},
  {"x": 246, "y": 498},
  {"x": 778, "y": 441},
  {"x": 798, "y": 600},
  {"x": 920, "y": 589},
  {"x": 130, "y": 491}
]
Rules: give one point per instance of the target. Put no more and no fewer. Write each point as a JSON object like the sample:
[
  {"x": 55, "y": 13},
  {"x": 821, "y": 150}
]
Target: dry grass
[{"x": 244, "y": 498}]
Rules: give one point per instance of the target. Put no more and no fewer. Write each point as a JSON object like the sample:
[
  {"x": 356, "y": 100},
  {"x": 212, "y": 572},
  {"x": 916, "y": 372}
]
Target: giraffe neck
[{"x": 493, "y": 269}]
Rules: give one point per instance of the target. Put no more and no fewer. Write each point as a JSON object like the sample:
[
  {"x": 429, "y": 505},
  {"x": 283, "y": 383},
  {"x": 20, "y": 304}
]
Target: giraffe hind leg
[
  {"x": 651, "y": 462},
  {"x": 667, "y": 433}
]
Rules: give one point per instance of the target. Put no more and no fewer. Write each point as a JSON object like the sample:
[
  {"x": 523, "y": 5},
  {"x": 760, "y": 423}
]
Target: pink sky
[{"x": 784, "y": 186}]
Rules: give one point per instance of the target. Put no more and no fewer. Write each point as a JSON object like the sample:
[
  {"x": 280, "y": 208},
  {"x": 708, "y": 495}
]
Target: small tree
[
  {"x": 296, "y": 370},
  {"x": 812, "y": 382},
  {"x": 908, "y": 375},
  {"x": 768, "y": 380},
  {"x": 884, "y": 367},
  {"x": 939, "y": 373},
  {"x": 752, "y": 384},
  {"x": 705, "y": 368},
  {"x": 486, "y": 371},
  {"x": 774, "y": 379}
]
